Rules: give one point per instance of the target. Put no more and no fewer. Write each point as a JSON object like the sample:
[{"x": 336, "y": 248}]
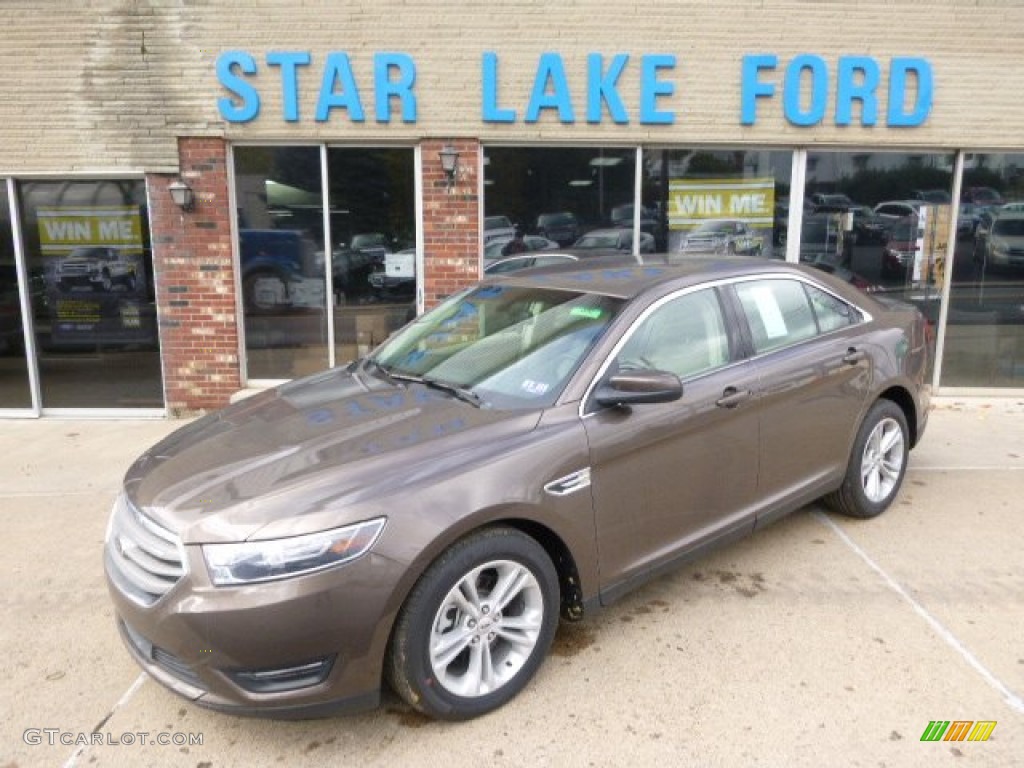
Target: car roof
[{"x": 628, "y": 276}]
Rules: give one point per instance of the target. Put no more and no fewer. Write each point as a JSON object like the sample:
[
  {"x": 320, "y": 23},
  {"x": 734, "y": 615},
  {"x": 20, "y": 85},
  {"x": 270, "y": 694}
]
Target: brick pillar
[
  {"x": 451, "y": 220},
  {"x": 195, "y": 283}
]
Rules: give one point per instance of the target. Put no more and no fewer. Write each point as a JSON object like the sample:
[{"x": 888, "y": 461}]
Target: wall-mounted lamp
[
  {"x": 449, "y": 163},
  {"x": 182, "y": 195}
]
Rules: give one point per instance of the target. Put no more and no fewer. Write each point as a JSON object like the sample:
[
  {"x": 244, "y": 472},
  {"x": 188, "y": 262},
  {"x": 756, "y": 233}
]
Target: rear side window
[
  {"x": 778, "y": 311},
  {"x": 831, "y": 312}
]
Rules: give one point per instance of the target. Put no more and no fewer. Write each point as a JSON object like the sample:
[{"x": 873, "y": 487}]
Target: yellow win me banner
[
  {"x": 694, "y": 201},
  {"x": 61, "y": 229}
]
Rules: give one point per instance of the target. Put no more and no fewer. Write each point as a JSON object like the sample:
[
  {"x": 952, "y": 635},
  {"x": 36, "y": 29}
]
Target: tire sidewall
[
  {"x": 881, "y": 410},
  {"x": 420, "y": 610}
]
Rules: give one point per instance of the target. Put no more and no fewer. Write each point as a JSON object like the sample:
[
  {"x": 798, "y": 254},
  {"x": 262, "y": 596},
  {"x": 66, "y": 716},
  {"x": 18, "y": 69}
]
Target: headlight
[{"x": 282, "y": 558}]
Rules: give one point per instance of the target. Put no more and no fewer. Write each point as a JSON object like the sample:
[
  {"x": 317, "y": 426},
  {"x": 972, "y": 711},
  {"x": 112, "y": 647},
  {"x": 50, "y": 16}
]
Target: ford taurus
[{"x": 527, "y": 451}]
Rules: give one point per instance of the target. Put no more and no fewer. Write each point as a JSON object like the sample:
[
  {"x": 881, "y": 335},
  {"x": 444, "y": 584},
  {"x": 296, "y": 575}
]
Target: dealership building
[{"x": 203, "y": 198}]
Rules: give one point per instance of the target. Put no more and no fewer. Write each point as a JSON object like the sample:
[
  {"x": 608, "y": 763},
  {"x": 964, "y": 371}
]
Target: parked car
[
  {"x": 497, "y": 227},
  {"x": 933, "y": 196},
  {"x": 98, "y": 268},
  {"x": 868, "y": 227},
  {"x": 535, "y": 446},
  {"x": 611, "y": 240},
  {"x": 495, "y": 248},
  {"x": 832, "y": 202},
  {"x": 622, "y": 216},
  {"x": 722, "y": 236},
  {"x": 900, "y": 248},
  {"x": 898, "y": 209},
  {"x": 526, "y": 261},
  {"x": 563, "y": 228},
  {"x": 982, "y": 196},
  {"x": 820, "y": 235},
  {"x": 1002, "y": 244}
]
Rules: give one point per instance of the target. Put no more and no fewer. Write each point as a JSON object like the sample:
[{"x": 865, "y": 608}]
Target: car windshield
[
  {"x": 1008, "y": 227},
  {"x": 512, "y": 346},
  {"x": 555, "y": 220},
  {"x": 709, "y": 227},
  {"x": 610, "y": 240},
  {"x": 496, "y": 222}
]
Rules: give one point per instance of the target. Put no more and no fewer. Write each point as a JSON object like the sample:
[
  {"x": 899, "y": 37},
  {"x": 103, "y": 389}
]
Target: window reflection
[
  {"x": 726, "y": 202},
  {"x": 90, "y": 271},
  {"x": 555, "y": 197},
  {"x": 373, "y": 253},
  {"x": 281, "y": 260},
  {"x": 984, "y": 341}
]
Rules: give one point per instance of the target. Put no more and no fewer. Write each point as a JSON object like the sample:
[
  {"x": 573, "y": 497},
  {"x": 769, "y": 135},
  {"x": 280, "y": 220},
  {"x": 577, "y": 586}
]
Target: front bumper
[{"x": 208, "y": 643}]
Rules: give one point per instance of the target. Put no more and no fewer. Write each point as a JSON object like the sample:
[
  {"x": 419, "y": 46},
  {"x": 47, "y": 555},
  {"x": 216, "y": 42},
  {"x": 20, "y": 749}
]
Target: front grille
[{"x": 143, "y": 559}]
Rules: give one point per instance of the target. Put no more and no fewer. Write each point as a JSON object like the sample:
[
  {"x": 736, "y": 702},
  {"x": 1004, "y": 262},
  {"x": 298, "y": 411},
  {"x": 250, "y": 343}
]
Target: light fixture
[
  {"x": 605, "y": 162},
  {"x": 181, "y": 194},
  {"x": 449, "y": 163}
]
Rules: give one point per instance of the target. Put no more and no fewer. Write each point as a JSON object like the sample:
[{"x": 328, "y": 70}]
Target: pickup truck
[
  {"x": 281, "y": 268},
  {"x": 97, "y": 268}
]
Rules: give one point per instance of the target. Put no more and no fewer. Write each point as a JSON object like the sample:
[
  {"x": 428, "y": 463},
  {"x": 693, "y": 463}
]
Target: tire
[
  {"x": 250, "y": 298},
  {"x": 452, "y": 655},
  {"x": 878, "y": 463}
]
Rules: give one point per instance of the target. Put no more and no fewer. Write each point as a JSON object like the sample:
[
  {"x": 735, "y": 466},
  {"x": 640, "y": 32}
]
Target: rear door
[{"x": 814, "y": 376}]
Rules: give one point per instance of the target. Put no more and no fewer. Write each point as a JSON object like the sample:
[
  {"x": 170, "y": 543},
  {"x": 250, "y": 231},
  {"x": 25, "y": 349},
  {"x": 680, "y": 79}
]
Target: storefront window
[
  {"x": 984, "y": 341},
  {"x": 881, "y": 221},
  {"x": 14, "y": 382},
  {"x": 558, "y": 198},
  {"x": 90, "y": 271},
  {"x": 700, "y": 202},
  {"x": 281, "y": 260},
  {"x": 884, "y": 215},
  {"x": 373, "y": 249}
]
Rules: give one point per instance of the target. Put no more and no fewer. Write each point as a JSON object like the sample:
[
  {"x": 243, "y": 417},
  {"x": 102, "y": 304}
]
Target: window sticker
[
  {"x": 768, "y": 308},
  {"x": 591, "y": 313}
]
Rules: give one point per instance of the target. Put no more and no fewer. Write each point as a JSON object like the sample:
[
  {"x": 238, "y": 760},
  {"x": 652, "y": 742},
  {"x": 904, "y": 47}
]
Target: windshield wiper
[
  {"x": 462, "y": 393},
  {"x": 465, "y": 394}
]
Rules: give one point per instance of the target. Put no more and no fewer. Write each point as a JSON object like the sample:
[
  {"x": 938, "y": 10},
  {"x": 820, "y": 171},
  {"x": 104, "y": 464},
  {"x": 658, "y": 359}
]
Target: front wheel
[
  {"x": 877, "y": 465},
  {"x": 476, "y": 627}
]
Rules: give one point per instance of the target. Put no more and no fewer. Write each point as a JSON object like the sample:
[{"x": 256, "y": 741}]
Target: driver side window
[{"x": 685, "y": 336}]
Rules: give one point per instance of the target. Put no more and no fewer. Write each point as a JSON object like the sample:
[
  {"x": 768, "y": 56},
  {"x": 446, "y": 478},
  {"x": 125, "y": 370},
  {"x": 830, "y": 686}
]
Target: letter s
[{"x": 250, "y": 99}]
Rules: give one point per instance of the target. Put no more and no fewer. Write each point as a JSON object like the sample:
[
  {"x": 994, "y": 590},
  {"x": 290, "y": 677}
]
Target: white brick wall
[{"x": 108, "y": 86}]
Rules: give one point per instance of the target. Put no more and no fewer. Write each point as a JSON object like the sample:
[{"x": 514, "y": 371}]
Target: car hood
[{"x": 301, "y": 457}]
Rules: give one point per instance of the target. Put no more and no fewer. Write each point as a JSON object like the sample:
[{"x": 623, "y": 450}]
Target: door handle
[
  {"x": 854, "y": 356},
  {"x": 732, "y": 397}
]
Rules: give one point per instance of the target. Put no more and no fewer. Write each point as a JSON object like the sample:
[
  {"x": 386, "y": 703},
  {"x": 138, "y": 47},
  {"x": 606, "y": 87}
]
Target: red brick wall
[
  {"x": 451, "y": 220},
  {"x": 192, "y": 259}
]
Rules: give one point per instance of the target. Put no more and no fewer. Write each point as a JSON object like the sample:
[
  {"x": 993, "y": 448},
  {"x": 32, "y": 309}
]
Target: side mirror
[{"x": 637, "y": 387}]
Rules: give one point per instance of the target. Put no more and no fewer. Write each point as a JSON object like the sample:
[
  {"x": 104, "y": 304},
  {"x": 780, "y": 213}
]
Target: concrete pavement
[{"x": 821, "y": 641}]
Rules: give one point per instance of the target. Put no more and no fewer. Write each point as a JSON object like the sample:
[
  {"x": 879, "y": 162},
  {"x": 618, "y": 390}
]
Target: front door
[{"x": 668, "y": 477}]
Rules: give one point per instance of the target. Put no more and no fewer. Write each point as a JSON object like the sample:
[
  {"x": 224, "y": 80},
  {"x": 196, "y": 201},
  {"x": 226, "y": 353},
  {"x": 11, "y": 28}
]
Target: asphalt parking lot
[{"x": 821, "y": 641}]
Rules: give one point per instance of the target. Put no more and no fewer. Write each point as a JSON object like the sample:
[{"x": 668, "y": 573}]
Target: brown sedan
[{"x": 532, "y": 448}]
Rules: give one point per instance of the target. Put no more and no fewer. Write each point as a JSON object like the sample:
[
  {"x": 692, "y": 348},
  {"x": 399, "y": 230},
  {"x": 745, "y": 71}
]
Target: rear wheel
[
  {"x": 476, "y": 627},
  {"x": 877, "y": 465}
]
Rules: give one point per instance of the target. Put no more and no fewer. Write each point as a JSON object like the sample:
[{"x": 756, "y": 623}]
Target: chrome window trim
[{"x": 866, "y": 317}]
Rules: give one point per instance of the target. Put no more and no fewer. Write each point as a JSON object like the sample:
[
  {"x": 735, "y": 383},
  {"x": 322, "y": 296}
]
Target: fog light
[{"x": 283, "y": 678}]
